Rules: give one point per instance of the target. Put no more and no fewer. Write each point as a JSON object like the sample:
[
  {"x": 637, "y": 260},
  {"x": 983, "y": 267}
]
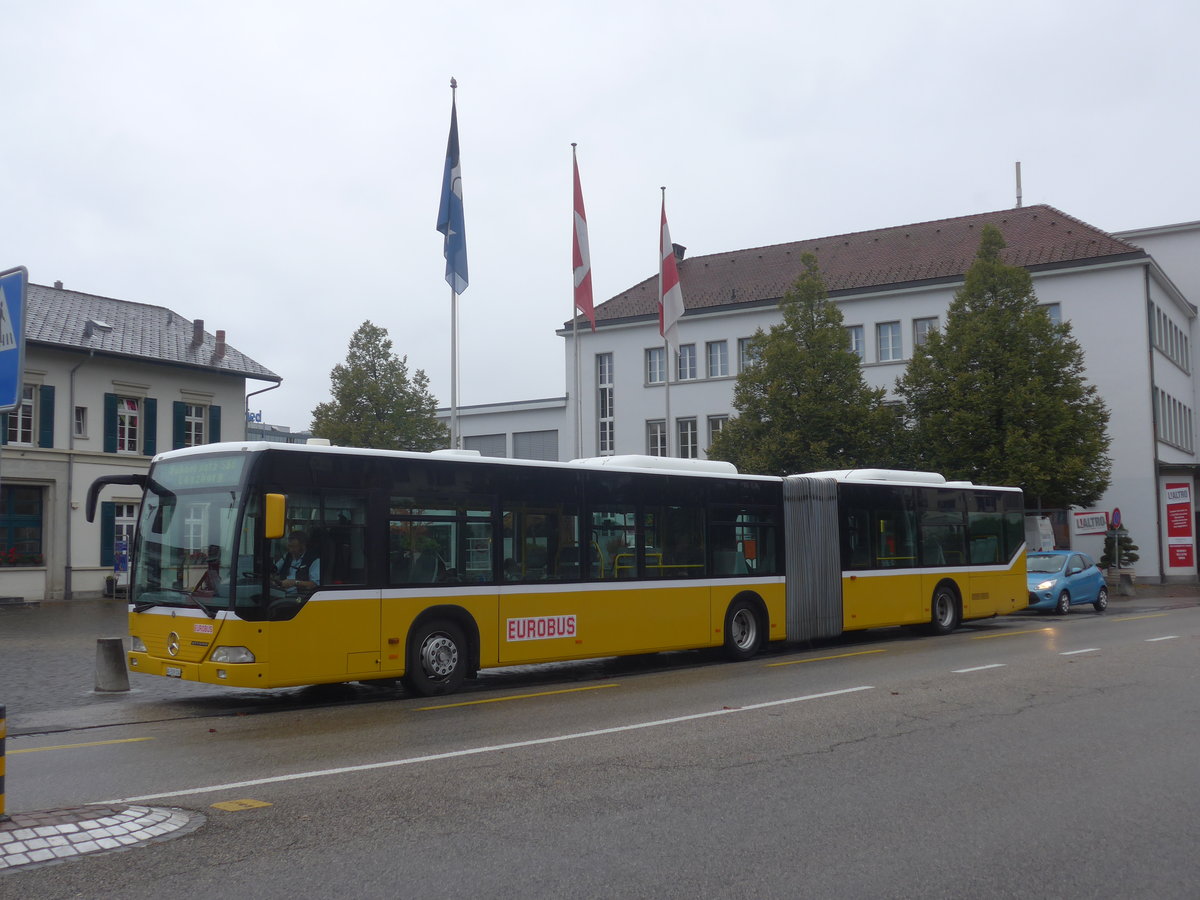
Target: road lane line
[
  {"x": 74, "y": 746},
  {"x": 590, "y": 687},
  {"x": 988, "y": 637},
  {"x": 1073, "y": 652},
  {"x": 796, "y": 662},
  {"x": 1133, "y": 618},
  {"x": 496, "y": 748},
  {"x": 979, "y": 668},
  {"x": 1169, "y": 637}
]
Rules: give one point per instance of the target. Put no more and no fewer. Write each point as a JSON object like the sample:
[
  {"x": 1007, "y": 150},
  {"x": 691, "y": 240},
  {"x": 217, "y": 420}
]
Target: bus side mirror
[{"x": 276, "y": 510}]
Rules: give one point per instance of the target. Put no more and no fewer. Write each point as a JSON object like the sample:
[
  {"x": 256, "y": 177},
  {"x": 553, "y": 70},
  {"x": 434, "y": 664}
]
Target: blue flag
[{"x": 450, "y": 215}]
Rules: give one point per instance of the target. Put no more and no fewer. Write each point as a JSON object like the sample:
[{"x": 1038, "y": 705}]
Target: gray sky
[{"x": 274, "y": 168}]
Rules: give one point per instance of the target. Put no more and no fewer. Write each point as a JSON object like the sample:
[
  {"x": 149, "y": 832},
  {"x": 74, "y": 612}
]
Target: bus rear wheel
[
  {"x": 437, "y": 658},
  {"x": 743, "y": 630},
  {"x": 944, "y": 616}
]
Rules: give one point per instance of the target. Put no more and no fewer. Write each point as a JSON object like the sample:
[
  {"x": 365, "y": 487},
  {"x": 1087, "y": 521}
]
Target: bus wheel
[
  {"x": 743, "y": 632},
  {"x": 944, "y": 618},
  {"x": 437, "y": 658}
]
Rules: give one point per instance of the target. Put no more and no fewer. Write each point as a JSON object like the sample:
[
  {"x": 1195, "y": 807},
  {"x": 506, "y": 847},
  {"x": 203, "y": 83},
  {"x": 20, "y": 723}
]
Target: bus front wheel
[
  {"x": 437, "y": 658},
  {"x": 743, "y": 630}
]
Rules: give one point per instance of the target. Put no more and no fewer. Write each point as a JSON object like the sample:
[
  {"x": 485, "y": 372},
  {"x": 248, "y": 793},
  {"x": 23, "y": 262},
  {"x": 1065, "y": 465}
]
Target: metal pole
[
  {"x": 3, "y": 735},
  {"x": 455, "y": 440}
]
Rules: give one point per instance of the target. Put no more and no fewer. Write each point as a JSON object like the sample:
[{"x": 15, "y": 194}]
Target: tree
[
  {"x": 999, "y": 396},
  {"x": 374, "y": 401},
  {"x": 802, "y": 403}
]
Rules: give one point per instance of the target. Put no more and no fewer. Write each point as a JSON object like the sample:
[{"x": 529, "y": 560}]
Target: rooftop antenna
[{"x": 1018, "y": 184}]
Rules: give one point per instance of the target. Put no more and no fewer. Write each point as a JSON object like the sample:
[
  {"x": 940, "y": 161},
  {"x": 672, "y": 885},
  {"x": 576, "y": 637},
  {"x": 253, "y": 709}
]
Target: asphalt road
[{"x": 1021, "y": 757}]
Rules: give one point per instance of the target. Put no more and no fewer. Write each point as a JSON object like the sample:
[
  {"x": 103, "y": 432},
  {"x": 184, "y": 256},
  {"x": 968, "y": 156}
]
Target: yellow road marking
[
  {"x": 236, "y": 805},
  {"x": 1147, "y": 616},
  {"x": 796, "y": 662},
  {"x": 74, "y": 746},
  {"x": 592, "y": 687},
  {"x": 988, "y": 637}
]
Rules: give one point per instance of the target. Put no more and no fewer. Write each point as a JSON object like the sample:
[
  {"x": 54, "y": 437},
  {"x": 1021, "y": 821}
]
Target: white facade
[{"x": 1130, "y": 314}]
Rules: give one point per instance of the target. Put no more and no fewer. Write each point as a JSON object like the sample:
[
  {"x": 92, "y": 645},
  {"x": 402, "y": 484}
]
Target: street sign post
[{"x": 13, "y": 283}]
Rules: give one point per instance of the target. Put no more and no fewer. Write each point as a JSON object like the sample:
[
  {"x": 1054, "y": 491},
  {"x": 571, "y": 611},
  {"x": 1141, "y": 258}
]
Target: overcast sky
[{"x": 274, "y": 168}]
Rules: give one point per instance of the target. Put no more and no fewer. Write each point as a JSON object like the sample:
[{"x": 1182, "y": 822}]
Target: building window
[
  {"x": 20, "y": 525},
  {"x": 1054, "y": 311},
  {"x": 887, "y": 340},
  {"x": 858, "y": 342},
  {"x": 922, "y": 329},
  {"x": 656, "y": 438},
  {"x": 656, "y": 365},
  {"x": 717, "y": 353},
  {"x": 80, "y": 421},
  {"x": 715, "y": 424},
  {"x": 746, "y": 354},
  {"x": 535, "y": 444},
  {"x": 124, "y": 520},
  {"x": 193, "y": 424},
  {"x": 1175, "y": 421},
  {"x": 606, "y": 423},
  {"x": 487, "y": 444},
  {"x": 128, "y": 424},
  {"x": 689, "y": 445},
  {"x": 687, "y": 362},
  {"x": 1171, "y": 340},
  {"x": 20, "y": 420}
]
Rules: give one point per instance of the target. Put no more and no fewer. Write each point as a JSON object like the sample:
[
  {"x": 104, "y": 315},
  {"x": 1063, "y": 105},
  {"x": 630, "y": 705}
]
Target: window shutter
[
  {"x": 46, "y": 416},
  {"x": 110, "y": 423},
  {"x": 178, "y": 411},
  {"x": 150, "y": 441},
  {"x": 3, "y": 429},
  {"x": 108, "y": 532},
  {"x": 214, "y": 424}
]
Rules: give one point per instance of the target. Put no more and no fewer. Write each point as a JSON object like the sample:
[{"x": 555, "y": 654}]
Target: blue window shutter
[
  {"x": 46, "y": 416},
  {"x": 110, "y": 423},
  {"x": 108, "y": 531},
  {"x": 214, "y": 424},
  {"x": 150, "y": 442},
  {"x": 178, "y": 411},
  {"x": 3, "y": 429}
]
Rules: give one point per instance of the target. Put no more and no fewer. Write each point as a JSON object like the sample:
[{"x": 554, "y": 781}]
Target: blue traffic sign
[{"x": 13, "y": 283}]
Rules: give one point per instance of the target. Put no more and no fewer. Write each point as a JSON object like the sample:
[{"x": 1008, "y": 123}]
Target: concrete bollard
[{"x": 111, "y": 674}]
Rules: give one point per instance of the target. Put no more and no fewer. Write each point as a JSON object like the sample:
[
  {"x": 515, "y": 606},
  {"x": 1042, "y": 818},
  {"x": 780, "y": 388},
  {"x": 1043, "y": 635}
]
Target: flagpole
[
  {"x": 666, "y": 343},
  {"x": 454, "y": 435},
  {"x": 575, "y": 340},
  {"x": 451, "y": 225}
]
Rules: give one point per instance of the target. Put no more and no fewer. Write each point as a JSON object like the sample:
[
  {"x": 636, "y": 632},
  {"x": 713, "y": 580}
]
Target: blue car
[{"x": 1059, "y": 579}]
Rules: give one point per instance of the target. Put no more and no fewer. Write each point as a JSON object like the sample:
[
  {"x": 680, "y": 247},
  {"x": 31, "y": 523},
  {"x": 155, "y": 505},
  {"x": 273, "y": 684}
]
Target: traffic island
[{"x": 40, "y": 838}]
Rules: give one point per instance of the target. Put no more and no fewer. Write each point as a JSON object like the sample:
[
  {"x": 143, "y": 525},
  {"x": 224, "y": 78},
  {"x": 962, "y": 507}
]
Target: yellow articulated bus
[{"x": 273, "y": 565}]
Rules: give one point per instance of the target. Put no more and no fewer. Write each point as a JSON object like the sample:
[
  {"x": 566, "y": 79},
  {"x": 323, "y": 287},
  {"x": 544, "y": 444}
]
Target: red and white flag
[
  {"x": 581, "y": 255},
  {"x": 670, "y": 304}
]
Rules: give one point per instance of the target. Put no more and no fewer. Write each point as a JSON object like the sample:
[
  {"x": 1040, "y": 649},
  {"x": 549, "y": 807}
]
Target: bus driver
[{"x": 299, "y": 572}]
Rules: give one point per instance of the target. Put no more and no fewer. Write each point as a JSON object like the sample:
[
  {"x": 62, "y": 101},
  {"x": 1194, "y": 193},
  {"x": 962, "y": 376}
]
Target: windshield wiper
[{"x": 143, "y": 605}]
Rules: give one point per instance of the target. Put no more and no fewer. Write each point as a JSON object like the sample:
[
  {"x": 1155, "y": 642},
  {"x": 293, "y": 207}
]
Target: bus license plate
[{"x": 174, "y": 671}]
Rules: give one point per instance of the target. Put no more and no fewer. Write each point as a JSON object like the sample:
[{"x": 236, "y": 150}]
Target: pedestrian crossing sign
[{"x": 13, "y": 284}]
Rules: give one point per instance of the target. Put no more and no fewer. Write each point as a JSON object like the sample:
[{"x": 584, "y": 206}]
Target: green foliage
[
  {"x": 1126, "y": 547},
  {"x": 999, "y": 396},
  {"x": 802, "y": 403},
  {"x": 374, "y": 401}
]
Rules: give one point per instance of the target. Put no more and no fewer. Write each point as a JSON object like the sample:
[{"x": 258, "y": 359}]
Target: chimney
[
  {"x": 58, "y": 285},
  {"x": 679, "y": 251},
  {"x": 220, "y": 351},
  {"x": 197, "y": 332}
]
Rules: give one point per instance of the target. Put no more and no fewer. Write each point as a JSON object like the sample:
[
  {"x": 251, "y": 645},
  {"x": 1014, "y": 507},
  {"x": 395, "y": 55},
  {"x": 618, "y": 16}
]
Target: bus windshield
[{"x": 186, "y": 534}]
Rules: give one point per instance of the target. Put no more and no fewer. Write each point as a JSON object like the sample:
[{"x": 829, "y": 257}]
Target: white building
[
  {"x": 107, "y": 384},
  {"x": 1126, "y": 297}
]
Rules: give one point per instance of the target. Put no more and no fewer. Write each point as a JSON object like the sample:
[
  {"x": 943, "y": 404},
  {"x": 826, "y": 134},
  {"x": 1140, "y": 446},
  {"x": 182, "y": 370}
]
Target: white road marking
[
  {"x": 473, "y": 751},
  {"x": 979, "y": 668},
  {"x": 1073, "y": 652},
  {"x": 1169, "y": 637}
]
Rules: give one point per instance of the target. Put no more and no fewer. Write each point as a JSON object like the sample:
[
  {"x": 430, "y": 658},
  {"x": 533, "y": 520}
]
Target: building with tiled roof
[
  {"x": 1132, "y": 312},
  {"x": 107, "y": 384}
]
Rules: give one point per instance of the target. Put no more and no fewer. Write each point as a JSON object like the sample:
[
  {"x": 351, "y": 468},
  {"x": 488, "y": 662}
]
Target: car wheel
[
  {"x": 1064, "y": 604},
  {"x": 1101, "y": 602},
  {"x": 437, "y": 658},
  {"x": 944, "y": 617}
]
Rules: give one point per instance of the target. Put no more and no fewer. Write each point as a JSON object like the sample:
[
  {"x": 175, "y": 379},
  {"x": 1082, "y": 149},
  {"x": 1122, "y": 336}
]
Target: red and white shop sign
[
  {"x": 1181, "y": 544},
  {"x": 1091, "y": 522}
]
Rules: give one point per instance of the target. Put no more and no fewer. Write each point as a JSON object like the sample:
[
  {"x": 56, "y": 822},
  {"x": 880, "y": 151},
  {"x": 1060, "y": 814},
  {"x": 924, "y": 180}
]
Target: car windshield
[
  {"x": 1043, "y": 564},
  {"x": 185, "y": 538}
]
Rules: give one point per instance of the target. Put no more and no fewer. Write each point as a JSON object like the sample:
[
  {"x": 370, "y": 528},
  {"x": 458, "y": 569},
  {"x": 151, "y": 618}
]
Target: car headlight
[
  {"x": 136, "y": 644},
  {"x": 232, "y": 655},
  {"x": 1047, "y": 584}
]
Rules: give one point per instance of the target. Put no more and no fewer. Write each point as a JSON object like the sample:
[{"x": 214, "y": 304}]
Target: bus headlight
[
  {"x": 232, "y": 655},
  {"x": 136, "y": 644}
]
